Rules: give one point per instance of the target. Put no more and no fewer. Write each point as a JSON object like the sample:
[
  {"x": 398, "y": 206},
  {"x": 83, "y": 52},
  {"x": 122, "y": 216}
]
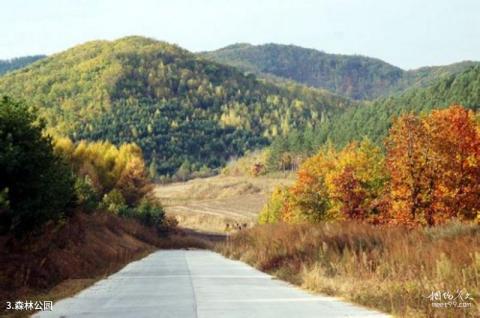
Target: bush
[
  {"x": 151, "y": 213},
  {"x": 39, "y": 183},
  {"x": 114, "y": 202},
  {"x": 85, "y": 194},
  {"x": 272, "y": 211},
  {"x": 251, "y": 164}
]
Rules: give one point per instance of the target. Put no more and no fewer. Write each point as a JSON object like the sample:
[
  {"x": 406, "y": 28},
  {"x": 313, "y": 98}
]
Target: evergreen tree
[{"x": 37, "y": 183}]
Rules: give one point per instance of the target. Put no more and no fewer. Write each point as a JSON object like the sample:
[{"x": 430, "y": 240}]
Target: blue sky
[{"x": 406, "y": 33}]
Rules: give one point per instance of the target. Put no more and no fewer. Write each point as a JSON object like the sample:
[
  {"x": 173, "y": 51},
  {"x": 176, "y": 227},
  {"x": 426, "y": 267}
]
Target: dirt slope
[{"x": 67, "y": 257}]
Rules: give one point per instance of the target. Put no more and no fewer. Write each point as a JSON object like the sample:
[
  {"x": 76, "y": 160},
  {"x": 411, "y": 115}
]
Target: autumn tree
[
  {"x": 411, "y": 164},
  {"x": 456, "y": 142},
  {"x": 350, "y": 193},
  {"x": 108, "y": 167},
  {"x": 434, "y": 167},
  {"x": 133, "y": 182},
  {"x": 334, "y": 184},
  {"x": 358, "y": 181},
  {"x": 309, "y": 197},
  {"x": 273, "y": 211}
]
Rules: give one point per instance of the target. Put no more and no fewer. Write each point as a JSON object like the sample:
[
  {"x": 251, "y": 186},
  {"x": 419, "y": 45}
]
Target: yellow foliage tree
[
  {"x": 273, "y": 211},
  {"x": 108, "y": 167}
]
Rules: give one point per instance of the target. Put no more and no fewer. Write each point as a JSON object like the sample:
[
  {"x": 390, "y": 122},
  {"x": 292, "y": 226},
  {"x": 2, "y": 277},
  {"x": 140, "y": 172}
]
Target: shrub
[
  {"x": 273, "y": 209},
  {"x": 114, "y": 202},
  {"x": 150, "y": 213},
  {"x": 85, "y": 193},
  {"x": 203, "y": 172},
  {"x": 251, "y": 164}
]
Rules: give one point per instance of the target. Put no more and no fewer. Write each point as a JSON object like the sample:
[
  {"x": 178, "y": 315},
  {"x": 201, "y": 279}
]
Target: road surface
[{"x": 198, "y": 284}]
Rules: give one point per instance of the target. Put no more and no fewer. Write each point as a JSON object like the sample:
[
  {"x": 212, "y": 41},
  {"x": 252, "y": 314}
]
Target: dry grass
[
  {"x": 210, "y": 204},
  {"x": 391, "y": 269}
]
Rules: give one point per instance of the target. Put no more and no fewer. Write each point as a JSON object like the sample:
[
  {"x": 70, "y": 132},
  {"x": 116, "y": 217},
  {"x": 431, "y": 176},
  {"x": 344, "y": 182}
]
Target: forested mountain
[
  {"x": 18, "y": 62},
  {"x": 179, "y": 108},
  {"x": 374, "y": 119},
  {"x": 357, "y": 77}
]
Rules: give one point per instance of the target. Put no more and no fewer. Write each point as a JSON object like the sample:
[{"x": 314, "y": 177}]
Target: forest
[
  {"x": 374, "y": 119},
  {"x": 354, "y": 76}
]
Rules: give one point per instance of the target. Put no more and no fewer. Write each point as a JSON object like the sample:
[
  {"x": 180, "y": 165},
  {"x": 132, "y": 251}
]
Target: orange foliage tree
[
  {"x": 434, "y": 163},
  {"x": 456, "y": 141}
]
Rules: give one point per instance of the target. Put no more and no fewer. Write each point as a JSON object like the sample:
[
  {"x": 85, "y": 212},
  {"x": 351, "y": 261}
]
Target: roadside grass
[{"x": 392, "y": 269}]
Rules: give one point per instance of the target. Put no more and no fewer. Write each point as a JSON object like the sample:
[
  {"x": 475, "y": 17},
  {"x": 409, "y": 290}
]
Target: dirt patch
[{"x": 217, "y": 204}]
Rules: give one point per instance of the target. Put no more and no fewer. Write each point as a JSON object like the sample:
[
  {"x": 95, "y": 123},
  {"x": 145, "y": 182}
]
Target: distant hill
[
  {"x": 181, "y": 109},
  {"x": 18, "y": 62},
  {"x": 374, "y": 119},
  {"x": 354, "y": 76}
]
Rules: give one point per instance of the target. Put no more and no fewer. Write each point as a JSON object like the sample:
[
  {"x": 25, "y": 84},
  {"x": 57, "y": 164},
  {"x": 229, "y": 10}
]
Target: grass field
[
  {"x": 209, "y": 204},
  {"x": 393, "y": 269}
]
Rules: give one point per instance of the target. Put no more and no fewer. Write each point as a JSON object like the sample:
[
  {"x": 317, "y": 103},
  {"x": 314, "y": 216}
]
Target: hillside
[
  {"x": 374, "y": 119},
  {"x": 179, "y": 108},
  {"x": 18, "y": 62},
  {"x": 357, "y": 77}
]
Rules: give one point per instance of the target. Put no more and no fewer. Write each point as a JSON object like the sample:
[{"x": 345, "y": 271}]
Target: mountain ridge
[
  {"x": 9, "y": 65},
  {"x": 354, "y": 76}
]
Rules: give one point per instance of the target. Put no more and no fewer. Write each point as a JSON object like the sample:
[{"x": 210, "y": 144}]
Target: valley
[
  {"x": 341, "y": 174},
  {"x": 218, "y": 204}
]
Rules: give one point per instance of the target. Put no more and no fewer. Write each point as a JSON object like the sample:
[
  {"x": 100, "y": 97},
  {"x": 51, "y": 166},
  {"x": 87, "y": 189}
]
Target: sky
[{"x": 406, "y": 33}]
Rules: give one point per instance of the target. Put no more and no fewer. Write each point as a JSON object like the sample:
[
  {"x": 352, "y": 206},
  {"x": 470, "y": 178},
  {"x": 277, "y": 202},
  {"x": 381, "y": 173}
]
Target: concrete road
[{"x": 199, "y": 284}]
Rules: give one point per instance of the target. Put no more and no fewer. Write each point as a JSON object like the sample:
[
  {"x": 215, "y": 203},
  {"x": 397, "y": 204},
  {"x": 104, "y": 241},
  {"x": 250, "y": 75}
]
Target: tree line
[{"x": 428, "y": 175}]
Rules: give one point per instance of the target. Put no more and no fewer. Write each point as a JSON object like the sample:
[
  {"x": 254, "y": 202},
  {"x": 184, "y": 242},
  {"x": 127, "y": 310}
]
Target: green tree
[
  {"x": 85, "y": 193},
  {"x": 40, "y": 185},
  {"x": 184, "y": 171},
  {"x": 153, "y": 167}
]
